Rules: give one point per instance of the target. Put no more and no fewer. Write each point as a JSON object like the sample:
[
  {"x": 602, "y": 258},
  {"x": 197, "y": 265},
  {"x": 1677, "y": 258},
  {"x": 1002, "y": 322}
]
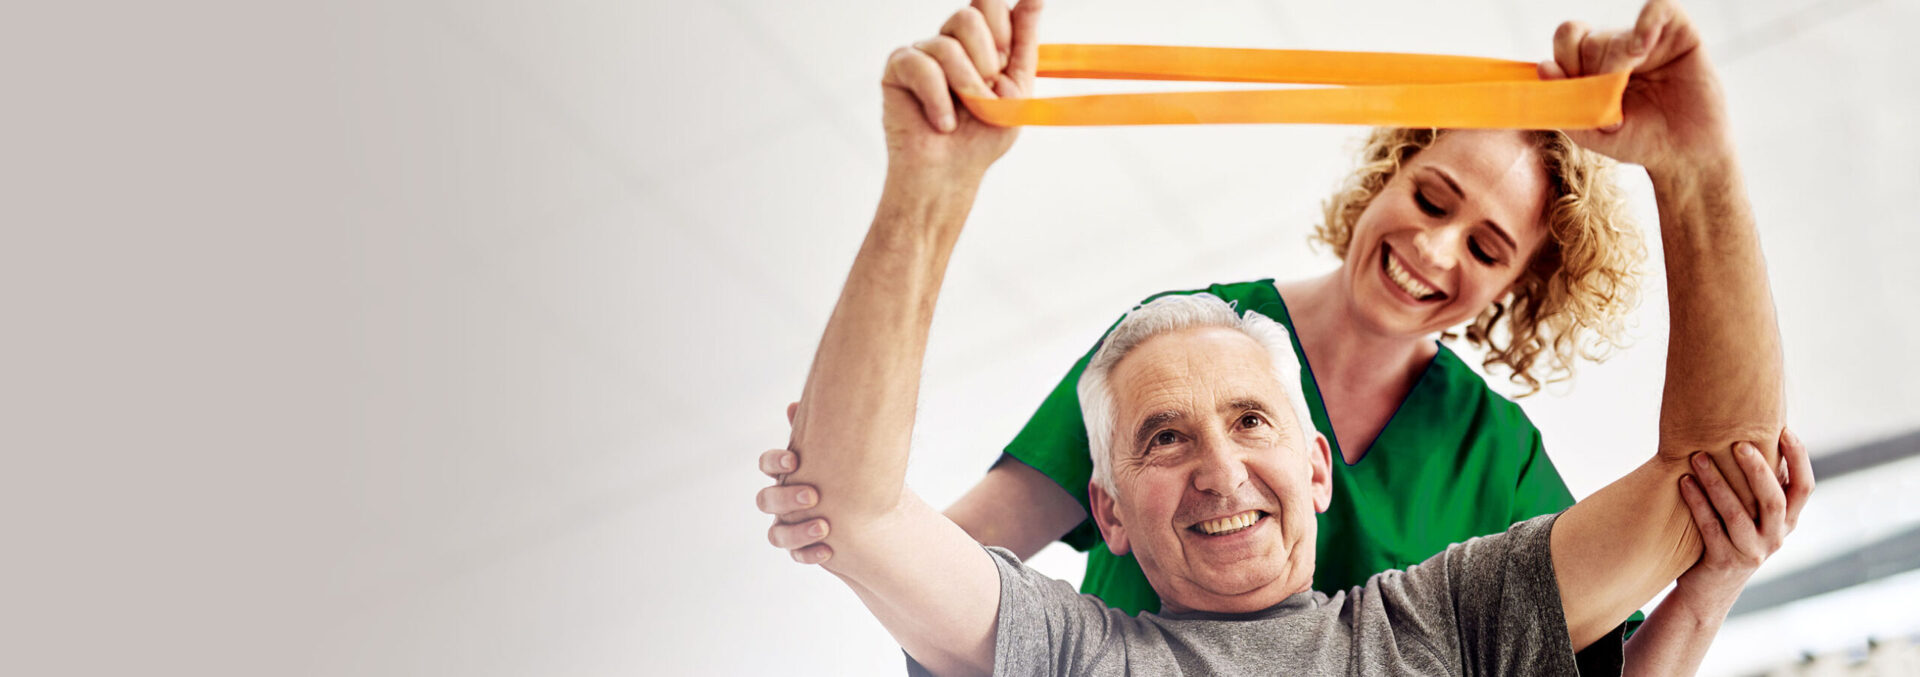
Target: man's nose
[{"x": 1221, "y": 470}]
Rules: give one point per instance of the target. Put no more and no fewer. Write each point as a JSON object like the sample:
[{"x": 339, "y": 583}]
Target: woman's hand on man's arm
[
  {"x": 1014, "y": 507},
  {"x": 1676, "y": 635}
]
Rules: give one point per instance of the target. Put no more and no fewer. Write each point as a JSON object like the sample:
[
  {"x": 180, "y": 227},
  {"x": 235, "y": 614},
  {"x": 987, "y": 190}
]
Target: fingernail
[
  {"x": 1748, "y": 449},
  {"x": 804, "y": 497},
  {"x": 1793, "y": 438},
  {"x": 1643, "y": 44},
  {"x": 1700, "y": 460},
  {"x": 817, "y": 530},
  {"x": 947, "y": 123},
  {"x": 1613, "y": 127},
  {"x": 786, "y": 462}
]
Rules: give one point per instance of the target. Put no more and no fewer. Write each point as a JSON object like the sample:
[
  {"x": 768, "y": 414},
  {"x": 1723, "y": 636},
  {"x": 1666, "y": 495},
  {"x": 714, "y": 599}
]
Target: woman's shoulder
[
  {"x": 1257, "y": 296},
  {"x": 1467, "y": 390}
]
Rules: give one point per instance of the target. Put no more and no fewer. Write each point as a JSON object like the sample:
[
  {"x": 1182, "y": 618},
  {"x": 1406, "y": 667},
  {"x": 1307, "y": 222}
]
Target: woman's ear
[{"x": 1106, "y": 514}]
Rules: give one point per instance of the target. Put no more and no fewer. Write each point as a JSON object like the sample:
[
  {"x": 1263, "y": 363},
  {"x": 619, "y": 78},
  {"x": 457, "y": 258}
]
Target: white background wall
[{"x": 440, "y": 338}]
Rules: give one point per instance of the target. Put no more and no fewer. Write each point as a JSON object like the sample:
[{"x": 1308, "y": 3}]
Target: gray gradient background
[{"x": 439, "y": 338}]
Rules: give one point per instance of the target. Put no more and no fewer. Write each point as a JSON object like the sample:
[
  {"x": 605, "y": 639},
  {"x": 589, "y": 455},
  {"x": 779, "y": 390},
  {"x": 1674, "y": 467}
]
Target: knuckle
[
  {"x": 946, "y": 45},
  {"x": 967, "y": 17}
]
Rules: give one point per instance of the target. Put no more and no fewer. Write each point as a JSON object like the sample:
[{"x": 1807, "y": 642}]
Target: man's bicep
[
  {"x": 934, "y": 589},
  {"x": 1619, "y": 547}
]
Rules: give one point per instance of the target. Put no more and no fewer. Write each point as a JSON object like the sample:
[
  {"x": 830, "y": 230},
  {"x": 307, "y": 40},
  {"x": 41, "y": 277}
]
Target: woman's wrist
[{"x": 1698, "y": 608}]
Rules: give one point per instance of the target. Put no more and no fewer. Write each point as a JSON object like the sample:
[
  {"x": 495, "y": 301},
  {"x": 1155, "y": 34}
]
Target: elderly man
[{"x": 1209, "y": 473}]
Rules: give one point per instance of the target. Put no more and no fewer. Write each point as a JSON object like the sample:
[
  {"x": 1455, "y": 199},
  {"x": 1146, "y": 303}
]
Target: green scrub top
[{"x": 1456, "y": 461}]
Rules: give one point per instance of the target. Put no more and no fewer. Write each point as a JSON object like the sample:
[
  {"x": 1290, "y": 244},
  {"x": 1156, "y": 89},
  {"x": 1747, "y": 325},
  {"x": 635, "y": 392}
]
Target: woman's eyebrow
[{"x": 1497, "y": 230}]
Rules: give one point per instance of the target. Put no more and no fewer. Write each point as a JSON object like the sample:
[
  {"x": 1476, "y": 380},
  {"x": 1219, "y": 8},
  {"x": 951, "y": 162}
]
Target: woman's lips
[{"x": 1400, "y": 276}]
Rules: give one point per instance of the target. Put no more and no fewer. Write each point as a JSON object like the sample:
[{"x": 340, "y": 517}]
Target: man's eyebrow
[
  {"x": 1244, "y": 404},
  {"x": 1497, "y": 230},
  {"x": 1151, "y": 425}
]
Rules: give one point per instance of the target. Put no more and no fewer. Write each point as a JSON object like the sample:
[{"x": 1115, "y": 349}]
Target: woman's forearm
[{"x": 1673, "y": 640}]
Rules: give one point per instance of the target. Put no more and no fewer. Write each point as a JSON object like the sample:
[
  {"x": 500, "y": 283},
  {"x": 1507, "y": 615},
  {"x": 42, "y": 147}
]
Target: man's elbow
[{"x": 1720, "y": 439}]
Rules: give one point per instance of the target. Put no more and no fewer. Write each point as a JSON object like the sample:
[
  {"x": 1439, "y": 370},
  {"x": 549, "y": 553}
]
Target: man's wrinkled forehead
[{"x": 1187, "y": 376}]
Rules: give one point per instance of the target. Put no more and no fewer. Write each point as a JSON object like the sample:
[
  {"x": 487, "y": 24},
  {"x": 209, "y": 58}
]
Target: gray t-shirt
[{"x": 1489, "y": 606}]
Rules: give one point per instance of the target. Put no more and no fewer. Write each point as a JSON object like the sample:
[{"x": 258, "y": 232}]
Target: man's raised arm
[
  {"x": 928, "y": 582},
  {"x": 1617, "y": 548}
]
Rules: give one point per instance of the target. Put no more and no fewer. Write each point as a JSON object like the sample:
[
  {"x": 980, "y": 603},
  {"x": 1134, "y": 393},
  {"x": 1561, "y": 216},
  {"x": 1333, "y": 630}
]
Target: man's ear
[
  {"x": 1106, "y": 513},
  {"x": 1320, "y": 458}
]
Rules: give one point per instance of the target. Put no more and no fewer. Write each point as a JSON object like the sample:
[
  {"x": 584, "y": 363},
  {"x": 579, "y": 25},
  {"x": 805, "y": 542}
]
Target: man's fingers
[
  {"x": 1652, "y": 22},
  {"x": 790, "y": 536},
  {"x": 1550, "y": 70},
  {"x": 1023, "y": 58},
  {"x": 777, "y": 462},
  {"x": 1794, "y": 456},
  {"x": 1616, "y": 52},
  {"x": 1766, "y": 492},
  {"x": 999, "y": 24},
  {"x": 1567, "y": 41},
  {"x": 912, "y": 71},
  {"x": 969, "y": 27},
  {"x": 1739, "y": 522},
  {"x": 961, "y": 73},
  {"x": 780, "y": 500}
]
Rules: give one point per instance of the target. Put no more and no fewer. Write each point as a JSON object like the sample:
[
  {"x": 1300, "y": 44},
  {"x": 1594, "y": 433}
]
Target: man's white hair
[{"x": 1174, "y": 313}]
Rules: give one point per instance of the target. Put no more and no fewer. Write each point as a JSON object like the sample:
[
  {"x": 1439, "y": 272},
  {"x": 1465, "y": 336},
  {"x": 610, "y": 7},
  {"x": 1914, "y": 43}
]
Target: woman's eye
[
  {"x": 1426, "y": 205},
  {"x": 1479, "y": 252}
]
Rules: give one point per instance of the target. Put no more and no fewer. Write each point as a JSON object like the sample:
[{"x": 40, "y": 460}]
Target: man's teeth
[
  {"x": 1230, "y": 524},
  {"x": 1406, "y": 280}
]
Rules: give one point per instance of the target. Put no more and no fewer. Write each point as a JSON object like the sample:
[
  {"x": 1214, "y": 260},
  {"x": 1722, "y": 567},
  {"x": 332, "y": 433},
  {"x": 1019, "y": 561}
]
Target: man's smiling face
[{"x": 1217, "y": 481}]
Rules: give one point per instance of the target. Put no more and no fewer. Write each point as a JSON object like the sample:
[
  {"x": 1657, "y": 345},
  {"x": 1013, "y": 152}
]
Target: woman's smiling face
[{"x": 1449, "y": 234}]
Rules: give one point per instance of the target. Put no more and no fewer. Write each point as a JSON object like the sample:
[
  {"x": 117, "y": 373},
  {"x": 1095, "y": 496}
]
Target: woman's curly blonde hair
[{"x": 1572, "y": 299}]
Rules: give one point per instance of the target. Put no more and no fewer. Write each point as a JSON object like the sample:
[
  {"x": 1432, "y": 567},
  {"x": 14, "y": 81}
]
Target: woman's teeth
[
  {"x": 1226, "y": 525},
  {"x": 1401, "y": 277}
]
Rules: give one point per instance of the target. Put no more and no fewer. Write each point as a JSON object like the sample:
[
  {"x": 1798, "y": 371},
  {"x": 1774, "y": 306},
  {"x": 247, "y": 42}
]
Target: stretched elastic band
[{"x": 1373, "y": 88}]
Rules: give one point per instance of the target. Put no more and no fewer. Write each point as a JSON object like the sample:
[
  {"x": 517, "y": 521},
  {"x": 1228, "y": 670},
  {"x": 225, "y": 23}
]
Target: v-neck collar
[{"x": 1306, "y": 367}]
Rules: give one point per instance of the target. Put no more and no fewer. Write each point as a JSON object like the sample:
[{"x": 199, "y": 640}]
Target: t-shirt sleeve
[
  {"x": 1539, "y": 489},
  {"x": 1045, "y": 627},
  {"x": 1505, "y": 605}
]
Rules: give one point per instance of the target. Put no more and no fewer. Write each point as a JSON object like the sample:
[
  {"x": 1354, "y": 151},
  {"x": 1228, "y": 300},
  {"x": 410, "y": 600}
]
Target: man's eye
[
  {"x": 1251, "y": 421},
  {"x": 1163, "y": 438},
  {"x": 1426, "y": 205}
]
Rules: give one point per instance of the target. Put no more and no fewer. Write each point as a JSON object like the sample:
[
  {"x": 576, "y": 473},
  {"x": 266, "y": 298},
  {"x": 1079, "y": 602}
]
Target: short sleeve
[
  {"x": 1539, "y": 489},
  {"x": 1044, "y": 626},
  {"x": 1506, "y": 602}
]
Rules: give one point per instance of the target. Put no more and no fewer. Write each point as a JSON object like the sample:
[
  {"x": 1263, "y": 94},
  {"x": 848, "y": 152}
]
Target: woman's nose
[{"x": 1438, "y": 246}]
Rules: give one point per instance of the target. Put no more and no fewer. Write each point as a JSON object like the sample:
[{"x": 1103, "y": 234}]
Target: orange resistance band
[{"x": 1398, "y": 90}]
